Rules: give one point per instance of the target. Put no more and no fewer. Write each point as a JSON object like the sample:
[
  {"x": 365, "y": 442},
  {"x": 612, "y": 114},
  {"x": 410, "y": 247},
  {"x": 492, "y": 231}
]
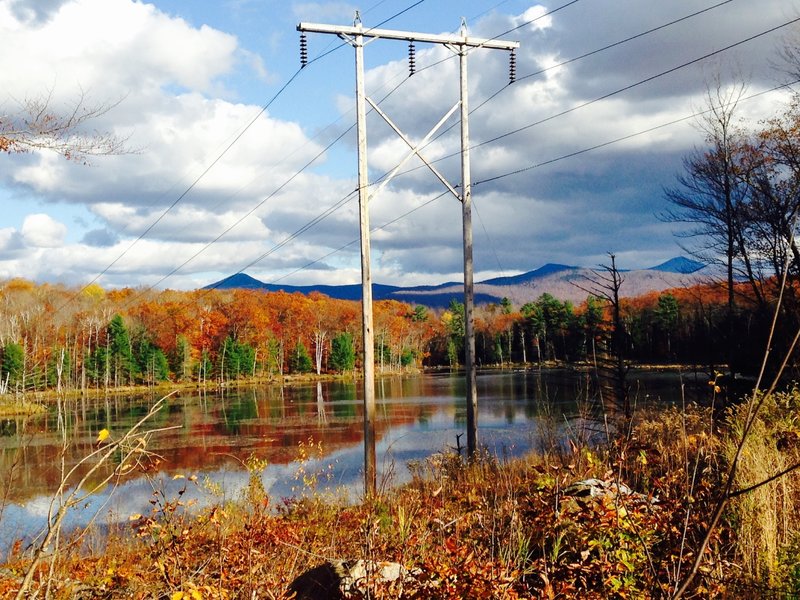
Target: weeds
[
  {"x": 491, "y": 528},
  {"x": 768, "y": 518}
]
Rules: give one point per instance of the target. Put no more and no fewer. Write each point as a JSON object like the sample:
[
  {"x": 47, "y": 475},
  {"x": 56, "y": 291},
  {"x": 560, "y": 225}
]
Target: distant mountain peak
[
  {"x": 543, "y": 271},
  {"x": 555, "y": 279},
  {"x": 237, "y": 281},
  {"x": 679, "y": 264}
]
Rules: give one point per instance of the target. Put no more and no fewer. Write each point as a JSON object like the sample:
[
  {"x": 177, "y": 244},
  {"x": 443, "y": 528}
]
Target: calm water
[{"x": 416, "y": 416}]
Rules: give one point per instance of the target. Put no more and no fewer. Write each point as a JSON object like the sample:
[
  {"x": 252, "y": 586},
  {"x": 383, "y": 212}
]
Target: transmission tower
[{"x": 461, "y": 45}]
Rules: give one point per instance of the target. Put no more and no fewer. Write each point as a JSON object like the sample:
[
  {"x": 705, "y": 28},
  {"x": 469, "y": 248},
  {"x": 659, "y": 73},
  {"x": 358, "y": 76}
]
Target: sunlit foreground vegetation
[{"x": 490, "y": 529}]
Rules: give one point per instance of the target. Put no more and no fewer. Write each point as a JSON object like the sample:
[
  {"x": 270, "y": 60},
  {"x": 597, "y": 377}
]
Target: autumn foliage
[
  {"x": 491, "y": 529},
  {"x": 59, "y": 338}
]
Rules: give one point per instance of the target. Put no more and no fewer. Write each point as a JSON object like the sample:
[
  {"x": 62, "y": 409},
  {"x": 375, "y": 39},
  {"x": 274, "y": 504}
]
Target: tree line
[
  {"x": 53, "y": 337},
  {"x": 738, "y": 199}
]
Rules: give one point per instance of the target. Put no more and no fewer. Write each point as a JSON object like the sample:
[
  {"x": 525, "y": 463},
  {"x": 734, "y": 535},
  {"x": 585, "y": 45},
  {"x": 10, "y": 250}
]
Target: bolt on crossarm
[{"x": 461, "y": 45}]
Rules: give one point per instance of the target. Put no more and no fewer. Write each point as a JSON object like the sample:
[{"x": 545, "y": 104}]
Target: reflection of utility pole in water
[
  {"x": 322, "y": 417},
  {"x": 461, "y": 45}
]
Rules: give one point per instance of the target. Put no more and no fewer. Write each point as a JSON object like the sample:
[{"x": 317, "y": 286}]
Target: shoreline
[{"x": 25, "y": 404}]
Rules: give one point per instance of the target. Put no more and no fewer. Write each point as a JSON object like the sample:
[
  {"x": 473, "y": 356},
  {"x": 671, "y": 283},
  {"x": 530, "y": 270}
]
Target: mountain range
[{"x": 562, "y": 281}]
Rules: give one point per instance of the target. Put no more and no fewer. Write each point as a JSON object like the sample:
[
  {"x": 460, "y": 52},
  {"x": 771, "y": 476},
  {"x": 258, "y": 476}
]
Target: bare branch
[{"x": 37, "y": 125}]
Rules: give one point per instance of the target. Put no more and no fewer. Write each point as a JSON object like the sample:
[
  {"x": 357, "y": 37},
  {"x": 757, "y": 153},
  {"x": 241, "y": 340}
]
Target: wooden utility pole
[
  {"x": 370, "y": 468},
  {"x": 460, "y": 45}
]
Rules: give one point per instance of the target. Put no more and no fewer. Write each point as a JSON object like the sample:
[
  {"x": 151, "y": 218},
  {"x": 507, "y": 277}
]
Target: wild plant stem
[{"x": 754, "y": 406}]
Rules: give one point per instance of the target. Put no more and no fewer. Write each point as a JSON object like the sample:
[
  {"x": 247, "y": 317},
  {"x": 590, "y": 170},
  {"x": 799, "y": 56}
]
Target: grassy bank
[{"x": 490, "y": 529}]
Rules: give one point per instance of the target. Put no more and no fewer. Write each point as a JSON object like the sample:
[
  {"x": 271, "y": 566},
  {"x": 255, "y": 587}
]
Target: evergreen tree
[
  {"x": 13, "y": 363},
  {"x": 97, "y": 362},
  {"x": 180, "y": 358},
  {"x": 236, "y": 359},
  {"x": 300, "y": 361},
  {"x": 420, "y": 314},
  {"x": 122, "y": 365},
  {"x": 151, "y": 361},
  {"x": 343, "y": 353}
]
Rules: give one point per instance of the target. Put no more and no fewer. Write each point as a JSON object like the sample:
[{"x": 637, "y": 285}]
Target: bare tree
[
  {"x": 36, "y": 124},
  {"x": 612, "y": 370},
  {"x": 713, "y": 192}
]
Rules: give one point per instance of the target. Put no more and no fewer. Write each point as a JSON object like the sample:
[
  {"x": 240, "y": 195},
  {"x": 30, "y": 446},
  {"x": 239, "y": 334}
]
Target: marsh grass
[
  {"x": 767, "y": 519},
  {"x": 490, "y": 528}
]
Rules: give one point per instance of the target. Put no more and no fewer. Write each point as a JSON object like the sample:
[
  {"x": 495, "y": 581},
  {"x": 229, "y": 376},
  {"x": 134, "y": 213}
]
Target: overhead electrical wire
[
  {"x": 598, "y": 51},
  {"x": 637, "y": 84},
  {"x": 539, "y": 165},
  {"x": 610, "y": 94},
  {"x": 641, "y": 82},
  {"x": 561, "y": 64},
  {"x": 293, "y": 236},
  {"x": 316, "y": 220},
  {"x": 487, "y": 180},
  {"x": 216, "y": 160},
  {"x": 356, "y": 240},
  {"x": 341, "y": 203},
  {"x": 540, "y": 71},
  {"x": 626, "y": 137},
  {"x": 182, "y": 195},
  {"x": 250, "y": 212}
]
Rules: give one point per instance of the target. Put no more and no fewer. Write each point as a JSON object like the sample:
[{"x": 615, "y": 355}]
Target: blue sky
[{"x": 187, "y": 77}]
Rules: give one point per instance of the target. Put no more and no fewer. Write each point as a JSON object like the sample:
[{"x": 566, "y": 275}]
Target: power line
[
  {"x": 251, "y": 211},
  {"x": 238, "y": 137},
  {"x": 641, "y": 82},
  {"x": 213, "y": 163},
  {"x": 623, "y": 138},
  {"x": 356, "y": 240},
  {"x": 185, "y": 192},
  {"x": 542, "y": 164},
  {"x": 497, "y": 177},
  {"x": 299, "y": 232},
  {"x": 607, "y": 47},
  {"x": 613, "y": 93}
]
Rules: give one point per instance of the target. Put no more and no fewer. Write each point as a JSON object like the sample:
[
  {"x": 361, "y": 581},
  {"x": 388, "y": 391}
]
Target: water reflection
[{"x": 416, "y": 416}]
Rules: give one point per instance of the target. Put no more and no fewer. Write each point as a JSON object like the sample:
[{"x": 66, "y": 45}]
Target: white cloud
[
  {"x": 535, "y": 16},
  {"x": 42, "y": 231},
  {"x": 112, "y": 45},
  {"x": 182, "y": 101}
]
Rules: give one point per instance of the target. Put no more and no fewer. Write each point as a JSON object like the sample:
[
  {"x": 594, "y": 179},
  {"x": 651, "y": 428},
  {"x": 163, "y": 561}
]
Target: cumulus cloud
[
  {"x": 42, "y": 231},
  {"x": 215, "y": 181},
  {"x": 101, "y": 238}
]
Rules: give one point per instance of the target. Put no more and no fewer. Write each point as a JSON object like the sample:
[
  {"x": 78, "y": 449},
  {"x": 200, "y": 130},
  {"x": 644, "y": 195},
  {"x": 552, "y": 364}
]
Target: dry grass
[
  {"x": 767, "y": 519},
  {"x": 494, "y": 529}
]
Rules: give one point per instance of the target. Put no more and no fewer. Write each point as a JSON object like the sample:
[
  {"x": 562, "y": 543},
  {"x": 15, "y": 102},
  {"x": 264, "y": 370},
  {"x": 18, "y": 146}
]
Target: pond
[{"x": 315, "y": 428}]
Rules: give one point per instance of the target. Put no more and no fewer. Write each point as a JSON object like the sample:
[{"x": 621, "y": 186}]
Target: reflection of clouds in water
[
  {"x": 502, "y": 431},
  {"x": 38, "y": 507}
]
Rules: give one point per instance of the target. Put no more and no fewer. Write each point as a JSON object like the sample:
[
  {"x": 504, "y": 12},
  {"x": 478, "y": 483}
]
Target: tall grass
[
  {"x": 767, "y": 518},
  {"x": 493, "y": 528}
]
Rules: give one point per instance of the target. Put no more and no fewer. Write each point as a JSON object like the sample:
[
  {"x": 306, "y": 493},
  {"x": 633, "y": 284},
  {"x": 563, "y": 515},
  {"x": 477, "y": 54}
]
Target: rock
[
  {"x": 330, "y": 580},
  {"x": 599, "y": 488},
  {"x": 320, "y": 583},
  {"x": 594, "y": 488}
]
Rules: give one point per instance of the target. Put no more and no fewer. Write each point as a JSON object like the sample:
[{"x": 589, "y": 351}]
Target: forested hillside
[{"x": 61, "y": 338}]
